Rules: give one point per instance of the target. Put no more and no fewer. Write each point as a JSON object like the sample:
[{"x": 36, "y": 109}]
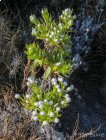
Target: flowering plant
[{"x": 50, "y": 93}]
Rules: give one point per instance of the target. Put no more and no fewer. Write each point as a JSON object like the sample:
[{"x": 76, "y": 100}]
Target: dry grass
[
  {"x": 76, "y": 135},
  {"x": 15, "y": 122}
]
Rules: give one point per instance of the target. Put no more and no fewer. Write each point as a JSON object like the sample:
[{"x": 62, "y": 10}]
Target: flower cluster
[
  {"x": 46, "y": 107},
  {"x": 54, "y": 33},
  {"x": 46, "y": 98}
]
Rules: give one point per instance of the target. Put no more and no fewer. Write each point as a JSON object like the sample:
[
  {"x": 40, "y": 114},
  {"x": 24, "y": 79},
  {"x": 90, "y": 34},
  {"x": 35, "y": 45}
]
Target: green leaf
[{"x": 47, "y": 73}]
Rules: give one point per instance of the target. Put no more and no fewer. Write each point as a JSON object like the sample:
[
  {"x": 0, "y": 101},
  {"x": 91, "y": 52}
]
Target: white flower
[
  {"x": 58, "y": 109},
  {"x": 57, "y": 86},
  {"x": 54, "y": 28},
  {"x": 28, "y": 83},
  {"x": 45, "y": 100},
  {"x": 42, "y": 113},
  {"x": 31, "y": 79},
  {"x": 70, "y": 22},
  {"x": 54, "y": 81},
  {"x": 32, "y": 18},
  {"x": 59, "y": 90},
  {"x": 55, "y": 40},
  {"x": 60, "y": 25},
  {"x": 17, "y": 96},
  {"x": 58, "y": 63},
  {"x": 65, "y": 83},
  {"x": 66, "y": 96},
  {"x": 68, "y": 99},
  {"x": 34, "y": 31},
  {"x": 56, "y": 120},
  {"x": 70, "y": 88},
  {"x": 60, "y": 79},
  {"x": 40, "y": 106},
  {"x": 87, "y": 30},
  {"x": 42, "y": 11},
  {"x": 40, "y": 102},
  {"x": 28, "y": 96},
  {"x": 35, "y": 118},
  {"x": 47, "y": 39},
  {"x": 45, "y": 123},
  {"x": 51, "y": 114},
  {"x": 66, "y": 10},
  {"x": 51, "y": 102},
  {"x": 38, "y": 25},
  {"x": 38, "y": 96},
  {"x": 34, "y": 113},
  {"x": 50, "y": 36},
  {"x": 26, "y": 101},
  {"x": 36, "y": 104},
  {"x": 52, "y": 33},
  {"x": 62, "y": 102}
]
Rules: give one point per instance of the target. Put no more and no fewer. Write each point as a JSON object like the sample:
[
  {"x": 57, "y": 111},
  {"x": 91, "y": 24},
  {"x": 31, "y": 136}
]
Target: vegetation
[{"x": 48, "y": 98}]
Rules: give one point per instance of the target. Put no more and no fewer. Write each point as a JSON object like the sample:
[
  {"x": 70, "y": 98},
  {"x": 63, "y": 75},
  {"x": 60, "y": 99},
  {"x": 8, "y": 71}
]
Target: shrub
[{"x": 50, "y": 93}]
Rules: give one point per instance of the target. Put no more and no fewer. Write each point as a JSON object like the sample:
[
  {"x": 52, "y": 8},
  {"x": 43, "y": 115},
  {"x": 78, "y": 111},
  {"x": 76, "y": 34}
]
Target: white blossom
[
  {"x": 31, "y": 79},
  {"x": 45, "y": 123},
  {"x": 28, "y": 96},
  {"x": 52, "y": 33},
  {"x": 54, "y": 28},
  {"x": 65, "y": 83},
  {"x": 55, "y": 40},
  {"x": 51, "y": 102},
  {"x": 35, "y": 118},
  {"x": 68, "y": 99},
  {"x": 59, "y": 90},
  {"x": 50, "y": 36},
  {"x": 32, "y": 18},
  {"x": 28, "y": 83},
  {"x": 60, "y": 79},
  {"x": 62, "y": 102},
  {"x": 54, "y": 81},
  {"x": 56, "y": 120},
  {"x": 42, "y": 113},
  {"x": 57, "y": 86},
  {"x": 17, "y": 96},
  {"x": 70, "y": 88},
  {"x": 58, "y": 109},
  {"x": 51, "y": 114},
  {"x": 70, "y": 22},
  {"x": 58, "y": 63},
  {"x": 34, "y": 31},
  {"x": 87, "y": 30},
  {"x": 38, "y": 25},
  {"x": 34, "y": 113},
  {"x": 26, "y": 101},
  {"x": 36, "y": 104},
  {"x": 40, "y": 106},
  {"x": 66, "y": 95},
  {"x": 45, "y": 100},
  {"x": 40, "y": 102},
  {"x": 47, "y": 39}
]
